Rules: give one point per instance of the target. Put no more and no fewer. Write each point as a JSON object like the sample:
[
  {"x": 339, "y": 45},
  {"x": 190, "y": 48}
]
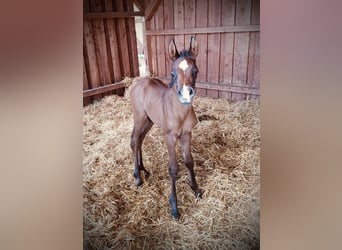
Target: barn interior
[{"x": 125, "y": 40}]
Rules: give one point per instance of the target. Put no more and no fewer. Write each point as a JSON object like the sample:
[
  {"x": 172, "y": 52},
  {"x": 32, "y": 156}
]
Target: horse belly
[{"x": 154, "y": 109}]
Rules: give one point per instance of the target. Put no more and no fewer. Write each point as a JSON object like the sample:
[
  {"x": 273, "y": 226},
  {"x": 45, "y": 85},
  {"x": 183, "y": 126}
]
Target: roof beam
[
  {"x": 140, "y": 4},
  {"x": 151, "y": 9}
]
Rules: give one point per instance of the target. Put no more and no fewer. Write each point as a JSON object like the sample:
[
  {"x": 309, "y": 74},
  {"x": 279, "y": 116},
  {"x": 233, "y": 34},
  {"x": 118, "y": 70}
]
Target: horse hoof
[
  {"x": 138, "y": 183},
  {"x": 175, "y": 215},
  {"x": 198, "y": 194},
  {"x": 147, "y": 174}
]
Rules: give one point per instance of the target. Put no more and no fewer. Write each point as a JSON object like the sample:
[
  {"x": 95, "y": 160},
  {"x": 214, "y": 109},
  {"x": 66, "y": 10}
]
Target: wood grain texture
[
  {"x": 227, "y": 32},
  {"x": 179, "y": 22},
  {"x": 109, "y": 45},
  {"x": 160, "y": 43},
  {"x": 227, "y": 46},
  {"x": 168, "y": 24},
  {"x": 214, "y": 46},
  {"x": 241, "y": 47},
  {"x": 113, "y": 44},
  {"x": 201, "y": 61}
]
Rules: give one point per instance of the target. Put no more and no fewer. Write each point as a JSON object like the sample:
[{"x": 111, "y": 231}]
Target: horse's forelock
[{"x": 185, "y": 53}]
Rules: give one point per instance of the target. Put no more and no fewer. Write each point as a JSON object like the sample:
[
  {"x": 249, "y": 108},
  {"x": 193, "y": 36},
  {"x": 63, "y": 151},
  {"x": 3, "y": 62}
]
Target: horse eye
[
  {"x": 195, "y": 72},
  {"x": 191, "y": 92}
]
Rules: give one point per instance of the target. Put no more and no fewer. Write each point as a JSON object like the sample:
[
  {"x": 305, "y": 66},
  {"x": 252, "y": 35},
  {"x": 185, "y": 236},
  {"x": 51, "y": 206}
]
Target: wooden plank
[
  {"x": 227, "y": 45},
  {"x": 89, "y": 53},
  {"x": 201, "y": 61},
  {"x": 148, "y": 55},
  {"x": 189, "y": 20},
  {"x": 100, "y": 45},
  {"x": 133, "y": 50},
  {"x": 255, "y": 18},
  {"x": 223, "y": 87},
  {"x": 86, "y": 100},
  {"x": 241, "y": 43},
  {"x": 168, "y": 24},
  {"x": 214, "y": 20},
  {"x": 205, "y": 30},
  {"x": 121, "y": 32},
  {"x": 153, "y": 51},
  {"x": 231, "y": 88},
  {"x": 113, "y": 43},
  {"x": 103, "y": 89},
  {"x": 119, "y": 14},
  {"x": 179, "y": 23},
  {"x": 160, "y": 43},
  {"x": 253, "y": 77},
  {"x": 151, "y": 9}
]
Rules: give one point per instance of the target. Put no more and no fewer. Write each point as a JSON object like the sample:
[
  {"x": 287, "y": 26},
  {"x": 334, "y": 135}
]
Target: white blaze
[
  {"x": 186, "y": 93},
  {"x": 183, "y": 65}
]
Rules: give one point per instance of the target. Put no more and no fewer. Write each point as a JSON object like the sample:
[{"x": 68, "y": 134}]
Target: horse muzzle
[{"x": 186, "y": 94}]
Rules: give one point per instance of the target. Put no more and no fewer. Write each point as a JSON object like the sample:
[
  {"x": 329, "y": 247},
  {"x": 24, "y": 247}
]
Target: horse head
[{"x": 184, "y": 71}]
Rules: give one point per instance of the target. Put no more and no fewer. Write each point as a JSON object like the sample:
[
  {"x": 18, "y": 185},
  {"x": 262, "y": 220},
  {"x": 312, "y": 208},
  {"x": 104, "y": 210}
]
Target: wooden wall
[
  {"x": 228, "y": 34},
  {"x": 109, "y": 46}
]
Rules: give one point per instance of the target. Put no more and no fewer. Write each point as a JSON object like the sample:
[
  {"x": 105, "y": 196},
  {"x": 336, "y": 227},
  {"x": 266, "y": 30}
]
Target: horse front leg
[
  {"x": 173, "y": 171},
  {"x": 189, "y": 162}
]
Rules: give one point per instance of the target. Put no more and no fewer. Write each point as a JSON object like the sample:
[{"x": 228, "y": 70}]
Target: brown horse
[{"x": 170, "y": 107}]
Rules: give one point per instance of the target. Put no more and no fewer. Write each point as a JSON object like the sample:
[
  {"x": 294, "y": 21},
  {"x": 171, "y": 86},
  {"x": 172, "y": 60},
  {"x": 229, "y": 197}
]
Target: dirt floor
[{"x": 225, "y": 147}]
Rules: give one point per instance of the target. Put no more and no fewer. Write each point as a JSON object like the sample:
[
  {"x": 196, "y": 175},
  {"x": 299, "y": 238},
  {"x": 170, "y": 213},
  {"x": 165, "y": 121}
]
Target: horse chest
[{"x": 178, "y": 124}]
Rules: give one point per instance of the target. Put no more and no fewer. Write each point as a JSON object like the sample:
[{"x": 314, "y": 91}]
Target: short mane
[{"x": 185, "y": 53}]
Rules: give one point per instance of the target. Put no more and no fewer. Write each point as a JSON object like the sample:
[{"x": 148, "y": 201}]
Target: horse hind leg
[
  {"x": 139, "y": 132},
  {"x": 147, "y": 126}
]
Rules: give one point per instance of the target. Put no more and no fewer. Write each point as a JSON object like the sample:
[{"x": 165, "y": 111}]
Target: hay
[{"x": 226, "y": 148}]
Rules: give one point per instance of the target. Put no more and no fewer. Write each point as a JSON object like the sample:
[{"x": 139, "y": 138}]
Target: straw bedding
[{"x": 225, "y": 147}]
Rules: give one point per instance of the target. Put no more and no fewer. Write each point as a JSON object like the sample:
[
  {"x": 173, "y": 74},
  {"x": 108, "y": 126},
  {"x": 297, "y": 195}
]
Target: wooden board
[
  {"x": 201, "y": 61},
  {"x": 179, "y": 22},
  {"x": 123, "y": 40},
  {"x": 227, "y": 47},
  {"x": 113, "y": 44},
  {"x": 168, "y": 24},
  {"x": 160, "y": 43},
  {"x": 189, "y": 20},
  {"x": 132, "y": 41},
  {"x": 241, "y": 43},
  {"x": 101, "y": 45},
  {"x": 86, "y": 100},
  {"x": 227, "y": 31},
  {"x": 90, "y": 54},
  {"x": 110, "y": 49},
  {"x": 253, "y": 77},
  {"x": 214, "y": 46}
]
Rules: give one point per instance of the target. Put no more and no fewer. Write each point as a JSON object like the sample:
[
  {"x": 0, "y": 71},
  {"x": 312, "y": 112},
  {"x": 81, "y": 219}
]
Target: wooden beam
[
  {"x": 223, "y": 87},
  {"x": 207, "y": 30},
  {"x": 151, "y": 9},
  {"x": 230, "y": 88},
  {"x": 104, "y": 15},
  {"x": 103, "y": 89},
  {"x": 139, "y": 4}
]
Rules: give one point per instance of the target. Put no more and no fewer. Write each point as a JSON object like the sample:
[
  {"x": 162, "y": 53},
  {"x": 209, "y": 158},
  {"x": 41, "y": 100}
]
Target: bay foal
[{"x": 170, "y": 107}]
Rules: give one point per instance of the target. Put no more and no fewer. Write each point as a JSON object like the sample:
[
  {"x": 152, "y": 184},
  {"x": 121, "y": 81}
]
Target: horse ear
[
  {"x": 193, "y": 47},
  {"x": 173, "y": 53}
]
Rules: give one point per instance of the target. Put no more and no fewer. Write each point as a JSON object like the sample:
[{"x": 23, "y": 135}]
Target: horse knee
[{"x": 173, "y": 171}]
